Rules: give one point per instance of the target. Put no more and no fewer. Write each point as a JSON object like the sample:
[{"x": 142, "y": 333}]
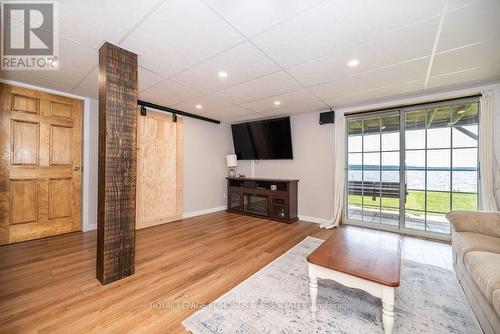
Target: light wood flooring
[{"x": 49, "y": 285}]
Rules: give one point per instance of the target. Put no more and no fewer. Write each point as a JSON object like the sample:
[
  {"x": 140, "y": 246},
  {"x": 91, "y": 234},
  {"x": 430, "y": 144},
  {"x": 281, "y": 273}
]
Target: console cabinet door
[
  {"x": 278, "y": 207},
  {"x": 40, "y": 171},
  {"x": 235, "y": 201}
]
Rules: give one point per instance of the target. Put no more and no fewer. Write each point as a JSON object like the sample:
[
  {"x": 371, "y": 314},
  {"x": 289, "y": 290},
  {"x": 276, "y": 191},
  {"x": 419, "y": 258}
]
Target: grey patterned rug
[{"x": 276, "y": 300}]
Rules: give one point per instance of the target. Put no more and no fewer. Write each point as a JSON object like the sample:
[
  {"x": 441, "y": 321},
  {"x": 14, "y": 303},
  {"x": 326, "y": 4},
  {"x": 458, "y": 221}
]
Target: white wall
[
  {"x": 313, "y": 157},
  {"x": 312, "y": 164},
  {"x": 90, "y": 157},
  {"x": 205, "y": 148}
]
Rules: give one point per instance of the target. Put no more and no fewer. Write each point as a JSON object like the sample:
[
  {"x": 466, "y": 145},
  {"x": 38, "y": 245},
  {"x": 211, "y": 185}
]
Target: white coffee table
[{"x": 363, "y": 259}]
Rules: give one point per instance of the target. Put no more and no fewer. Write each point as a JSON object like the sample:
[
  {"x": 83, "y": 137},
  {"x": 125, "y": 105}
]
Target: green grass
[{"x": 436, "y": 201}]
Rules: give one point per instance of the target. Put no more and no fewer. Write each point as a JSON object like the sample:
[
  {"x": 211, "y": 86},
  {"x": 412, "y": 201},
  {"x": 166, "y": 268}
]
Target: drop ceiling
[{"x": 292, "y": 51}]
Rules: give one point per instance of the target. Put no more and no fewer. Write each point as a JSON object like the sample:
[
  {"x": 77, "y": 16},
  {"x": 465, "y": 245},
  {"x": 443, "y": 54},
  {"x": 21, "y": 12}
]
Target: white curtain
[
  {"x": 487, "y": 160},
  {"x": 338, "y": 172}
]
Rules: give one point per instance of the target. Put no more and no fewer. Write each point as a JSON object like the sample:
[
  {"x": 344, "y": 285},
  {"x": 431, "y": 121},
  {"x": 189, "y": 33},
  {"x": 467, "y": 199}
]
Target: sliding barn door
[
  {"x": 159, "y": 169},
  {"x": 40, "y": 176}
]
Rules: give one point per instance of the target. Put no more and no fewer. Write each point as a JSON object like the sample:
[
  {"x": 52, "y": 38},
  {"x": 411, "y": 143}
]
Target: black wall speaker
[{"x": 327, "y": 117}]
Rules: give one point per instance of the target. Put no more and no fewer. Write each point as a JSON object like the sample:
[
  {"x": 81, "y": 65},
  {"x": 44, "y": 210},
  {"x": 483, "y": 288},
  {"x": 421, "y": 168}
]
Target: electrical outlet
[{"x": 225, "y": 195}]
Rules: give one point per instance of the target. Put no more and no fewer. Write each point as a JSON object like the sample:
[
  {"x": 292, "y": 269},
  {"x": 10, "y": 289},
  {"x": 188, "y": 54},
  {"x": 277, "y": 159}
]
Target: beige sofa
[{"x": 476, "y": 259}]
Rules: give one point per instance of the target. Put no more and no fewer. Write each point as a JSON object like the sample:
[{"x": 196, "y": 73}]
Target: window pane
[
  {"x": 371, "y": 134},
  {"x": 464, "y": 181},
  {"x": 415, "y": 179},
  {"x": 390, "y": 133},
  {"x": 415, "y": 220},
  {"x": 438, "y": 180},
  {"x": 465, "y": 159},
  {"x": 439, "y": 159},
  {"x": 465, "y": 136},
  {"x": 415, "y": 200},
  {"x": 415, "y": 129},
  {"x": 354, "y": 143},
  {"x": 463, "y": 201},
  {"x": 439, "y": 138},
  {"x": 437, "y": 223},
  {"x": 438, "y": 128},
  {"x": 415, "y": 160},
  {"x": 465, "y": 115},
  {"x": 438, "y": 201}
]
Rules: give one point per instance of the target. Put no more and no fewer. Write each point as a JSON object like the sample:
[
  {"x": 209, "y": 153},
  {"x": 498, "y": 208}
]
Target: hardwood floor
[{"x": 49, "y": 285}]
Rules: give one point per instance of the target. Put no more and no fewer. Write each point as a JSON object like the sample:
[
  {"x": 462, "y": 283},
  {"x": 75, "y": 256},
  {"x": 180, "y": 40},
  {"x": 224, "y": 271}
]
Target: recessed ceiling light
[
  {"x": 353, "y": 63},
  {"x": 198, "y": 106},
  {"x": 222, "y": 74},
  {"x": 277, "y": 103}
]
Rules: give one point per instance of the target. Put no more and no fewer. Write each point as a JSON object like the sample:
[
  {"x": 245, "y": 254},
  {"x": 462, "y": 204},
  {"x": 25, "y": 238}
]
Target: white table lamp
[{"x": 231, "y": 162}]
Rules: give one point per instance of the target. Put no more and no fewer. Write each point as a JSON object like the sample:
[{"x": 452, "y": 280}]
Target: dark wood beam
[{"x": 117, "y": 163}]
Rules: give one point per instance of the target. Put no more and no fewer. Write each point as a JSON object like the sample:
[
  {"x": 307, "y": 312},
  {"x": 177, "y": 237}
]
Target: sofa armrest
[{"x": 482, "y": 222}]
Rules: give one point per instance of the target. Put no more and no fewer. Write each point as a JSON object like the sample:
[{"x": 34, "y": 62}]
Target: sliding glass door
[
  {"x": 373, "y": 169},
  {"x": 407, "y": 168}
]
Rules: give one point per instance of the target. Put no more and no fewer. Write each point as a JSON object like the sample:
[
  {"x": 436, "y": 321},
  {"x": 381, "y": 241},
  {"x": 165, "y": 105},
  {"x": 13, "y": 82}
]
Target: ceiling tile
[
  {"x": 287, "y": 100},
  {"x": 297, "y": 109},
  {"x": 251, "y": 17},
  {"x": 244, "y": 118},
  {"x": 89, "y": 86},
  {"x": 336, "y": 25},
  {"x": 93, "y": 22},
  {"x": 476, "y": 55},
  {"x": 470, "y": 24},
  {"x": 404, "y": 72},
  {"x": 273, "y": 84},
  {"x": 74, "y": 61},
  {"x": 242, "y": 63},
  {"x": 209, "y": 105},
  {"x": 179, "y": 35},
  {"x": 378, "y": 94},
  {"x": 466, "y": 77},
  {"x": 169, "y": 93},
  {"x": 36, "y": 79},
  {"x": 147, "y": 79},
  {"x": 233, "y": 113},
  {"x": 402, "y": 45}
]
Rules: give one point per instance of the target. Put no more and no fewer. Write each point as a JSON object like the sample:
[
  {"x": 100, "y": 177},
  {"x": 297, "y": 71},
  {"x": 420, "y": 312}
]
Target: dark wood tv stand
[{"x": 254, "y": 197}]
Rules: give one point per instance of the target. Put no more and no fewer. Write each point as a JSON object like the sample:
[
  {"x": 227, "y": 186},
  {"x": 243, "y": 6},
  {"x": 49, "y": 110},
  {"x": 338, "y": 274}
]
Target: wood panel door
[
  {"x": 160, "y": 143},
  {"x": 40, "y": 171}
]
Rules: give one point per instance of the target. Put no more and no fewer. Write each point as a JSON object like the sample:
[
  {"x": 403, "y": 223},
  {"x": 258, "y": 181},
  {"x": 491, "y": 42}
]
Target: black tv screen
[{"x": 267, "y": 139}]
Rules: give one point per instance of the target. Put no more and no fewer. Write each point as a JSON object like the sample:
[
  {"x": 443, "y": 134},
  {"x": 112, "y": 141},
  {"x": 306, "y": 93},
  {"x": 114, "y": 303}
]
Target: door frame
[
  {"x": 83, "y": 176},
  {"x": 401, "y": 228}
]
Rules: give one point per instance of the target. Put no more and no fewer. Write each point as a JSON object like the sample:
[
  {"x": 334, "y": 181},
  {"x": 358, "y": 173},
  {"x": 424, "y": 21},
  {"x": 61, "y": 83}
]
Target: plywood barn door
[
  {"x": 159, "y": 169},
  {"x": 40, "y": 171}
]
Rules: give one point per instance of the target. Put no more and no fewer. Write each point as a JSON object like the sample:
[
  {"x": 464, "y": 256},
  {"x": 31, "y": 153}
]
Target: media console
[{"x": 274, "y": 199}]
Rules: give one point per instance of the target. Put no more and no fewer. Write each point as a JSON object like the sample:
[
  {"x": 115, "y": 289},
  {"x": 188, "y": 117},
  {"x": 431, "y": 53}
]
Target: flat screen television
[{"x": 266, "y": 139}]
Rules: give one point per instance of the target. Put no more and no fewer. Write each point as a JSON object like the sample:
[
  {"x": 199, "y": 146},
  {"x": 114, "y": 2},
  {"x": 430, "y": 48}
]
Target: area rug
[{"x": 276, "y": 300}]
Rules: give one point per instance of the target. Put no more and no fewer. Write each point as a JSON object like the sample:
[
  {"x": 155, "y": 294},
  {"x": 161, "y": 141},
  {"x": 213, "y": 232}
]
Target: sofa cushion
[
  {"x": 484, "y": 268},
  {"x": 496, "y": 301},
  {"x": 465, "y": 242}
]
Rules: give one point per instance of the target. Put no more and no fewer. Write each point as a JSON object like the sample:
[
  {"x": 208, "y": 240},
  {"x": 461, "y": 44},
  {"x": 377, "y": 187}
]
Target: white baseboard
[
  {"x": 222, "y": 208},
  {"x": 314, "y": 219},
  {"x": 89, "y": 227},
  {"x": 203, "y": 212}
]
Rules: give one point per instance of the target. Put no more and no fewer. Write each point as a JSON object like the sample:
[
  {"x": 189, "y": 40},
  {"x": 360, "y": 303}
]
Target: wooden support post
[{"x": 117, "y": 163}]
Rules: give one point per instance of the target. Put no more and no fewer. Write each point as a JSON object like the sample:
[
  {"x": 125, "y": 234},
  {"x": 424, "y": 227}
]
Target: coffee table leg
[
  {"x": 388, "y": 309},
  {"x": 313, "y": 290}
]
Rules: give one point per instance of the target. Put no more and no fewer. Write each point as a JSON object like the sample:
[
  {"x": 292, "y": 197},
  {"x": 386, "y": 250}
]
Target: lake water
[{"x": 463, "y": 181}]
